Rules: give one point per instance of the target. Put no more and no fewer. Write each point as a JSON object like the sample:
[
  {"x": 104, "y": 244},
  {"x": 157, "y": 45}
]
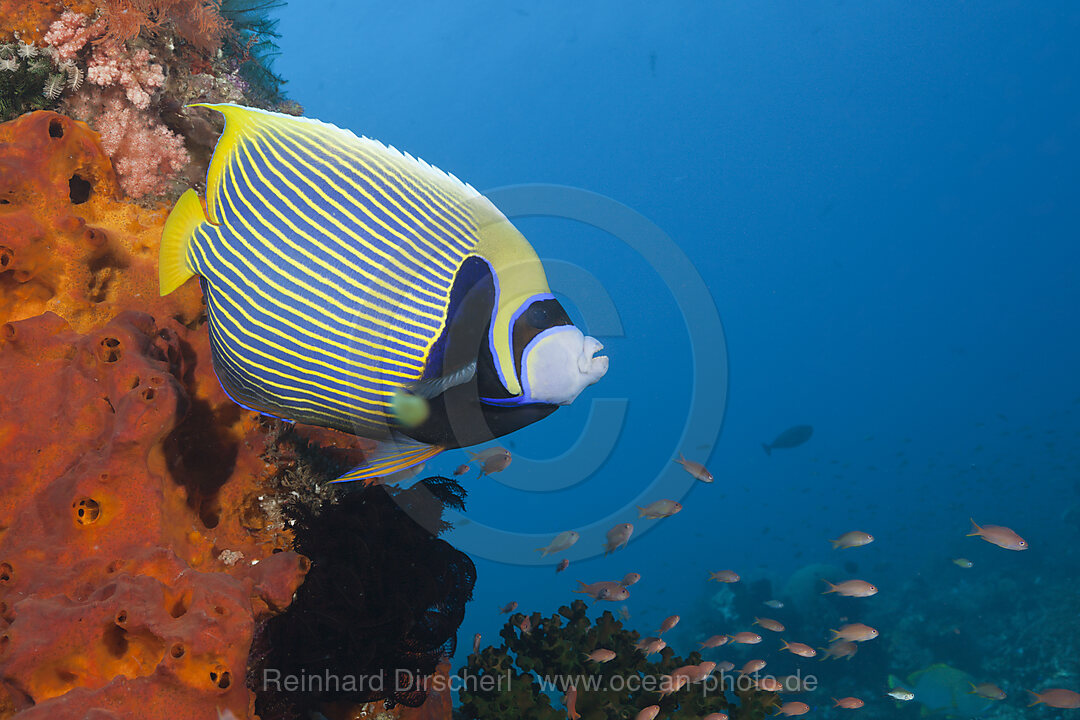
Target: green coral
[{"x": 556, "y": 646}]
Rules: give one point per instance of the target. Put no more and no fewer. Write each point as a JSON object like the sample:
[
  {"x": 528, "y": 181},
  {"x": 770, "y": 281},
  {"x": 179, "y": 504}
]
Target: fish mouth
[{"x": 590, "y": 364}]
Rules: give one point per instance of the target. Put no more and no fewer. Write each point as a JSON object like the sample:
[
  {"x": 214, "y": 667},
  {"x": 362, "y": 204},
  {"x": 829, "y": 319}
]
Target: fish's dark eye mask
[{"x": 540, "y": 315}]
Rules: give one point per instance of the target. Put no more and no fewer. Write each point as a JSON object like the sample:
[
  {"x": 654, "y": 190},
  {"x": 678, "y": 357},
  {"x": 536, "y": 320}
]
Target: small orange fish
[
  {"x": 840, "y": 649},
  {"x": 990, "y": 691},
  {"x": 1057, "y": 698},
  {"x": 769, "y": 684},
  {"x": 848, "y": 703},
  {"x": 672, "y": 683},
  {"x": 629, "y": 579},
  {"x": 604, "y": 590},
  {"x": 563, "y": 564},
  {"x": 600, "y": 655},
  {"x": 648, "y": 713},
  {"x": 746, "y": 638},
  {"x": 659, "y": 509},
  {"x": 650, "y": 645},
  {"x": 752, "y": 666},
  {"x": 1001, "y": 536},
  {"x": 725, "y": 666},
  {"x": 476, "y": 643},
  {"x": 793, "y": 708},
  {"x": 570, "y": 701},
  {"x": 617, "y": 537},
  {"x": 856, "y": 632},
  {"x": 461, "y": 469},
  {"x": 696, "y": 469},
  {"x": 703, "y": 671},
  {"x": 525, "y": 625},
  {"x": 715, "y": 641},
  {"x": 724, "y": 576},
  {"x": 687, "y": 671},
  {"x": 509, "y": 607},
  {"x": 769, "y": 624},
  {"x": 798, "y": 648},
  {"x": 715, "y": 716},
  {"x": 562, "y": 541},
  {"x": 851, "y": 588},
  {"x": 492, "y": 460},
  {"x": 669, "y": 622},
  {"x": 855, "y": 538}
]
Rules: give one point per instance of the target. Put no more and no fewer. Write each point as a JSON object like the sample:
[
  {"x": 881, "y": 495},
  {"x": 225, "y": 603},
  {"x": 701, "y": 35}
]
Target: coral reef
[
  {"x": 147, "y": 518},
  {"x": 69, "y": 243},
  {"x": 135, "y": 560},
  {"x": 552, "y": 652},
  {"x": 128, "y": 67}
]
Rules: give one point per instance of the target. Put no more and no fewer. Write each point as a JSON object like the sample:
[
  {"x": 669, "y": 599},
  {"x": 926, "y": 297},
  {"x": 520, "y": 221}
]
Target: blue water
[{"x": 880, "y": 200}]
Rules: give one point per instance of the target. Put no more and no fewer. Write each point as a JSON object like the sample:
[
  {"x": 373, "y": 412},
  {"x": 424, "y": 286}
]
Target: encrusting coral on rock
[
  {"x": 121, "y": 584},
  {"x": 150, "y": 528},
  {"x": 68, "y": 242}
]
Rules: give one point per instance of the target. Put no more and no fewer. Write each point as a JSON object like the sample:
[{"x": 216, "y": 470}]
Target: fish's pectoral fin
[
  {"x": 180, "y": 227},
  {"x": 433, "y": 387},
  {"x": 390, "y": 458}
]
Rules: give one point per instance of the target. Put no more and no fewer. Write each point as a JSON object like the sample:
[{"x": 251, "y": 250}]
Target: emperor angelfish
[{"x": 352, "y": 286}]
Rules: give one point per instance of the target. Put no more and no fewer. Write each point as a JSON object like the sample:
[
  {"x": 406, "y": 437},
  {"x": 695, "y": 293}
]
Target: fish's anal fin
[
  {"x": 184, "y": 219},
  {"x": 390, "y": 459}
]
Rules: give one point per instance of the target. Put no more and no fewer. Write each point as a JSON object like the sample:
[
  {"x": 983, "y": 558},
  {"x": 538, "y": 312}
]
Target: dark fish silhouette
[{"x": 792, "y": 437}]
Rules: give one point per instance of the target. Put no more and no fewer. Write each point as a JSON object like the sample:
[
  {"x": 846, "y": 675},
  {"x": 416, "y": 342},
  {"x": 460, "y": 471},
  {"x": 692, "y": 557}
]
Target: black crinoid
[{"x": 384, "y": 596}]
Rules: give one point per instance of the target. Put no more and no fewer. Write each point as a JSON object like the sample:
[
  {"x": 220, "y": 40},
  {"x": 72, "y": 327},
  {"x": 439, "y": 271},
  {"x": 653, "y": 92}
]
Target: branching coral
[
  {"x": 197, "y": 22},
  {"x": 553, "y": 651}
]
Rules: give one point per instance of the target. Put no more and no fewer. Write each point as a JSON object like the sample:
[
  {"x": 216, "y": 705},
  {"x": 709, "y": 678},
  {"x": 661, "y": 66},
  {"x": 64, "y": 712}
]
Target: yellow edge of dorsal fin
[
  {"x": 241, "y": 120},
  {"x": 180, "y": 227}
]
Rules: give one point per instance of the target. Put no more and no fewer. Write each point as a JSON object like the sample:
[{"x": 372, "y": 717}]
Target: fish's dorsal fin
[{"x": 242, "y": 121}]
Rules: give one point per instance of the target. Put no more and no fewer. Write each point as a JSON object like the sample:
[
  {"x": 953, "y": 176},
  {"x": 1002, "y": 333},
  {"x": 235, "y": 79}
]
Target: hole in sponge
[
  {"x": 179, "y": 608},
  {"x": 220, "y": 677},
  {"x": 56, "y": 129},
  {"x": 87, "y": 511},
  {"x": 116, "y": 642},
  {"x": 78, "y": 190}
]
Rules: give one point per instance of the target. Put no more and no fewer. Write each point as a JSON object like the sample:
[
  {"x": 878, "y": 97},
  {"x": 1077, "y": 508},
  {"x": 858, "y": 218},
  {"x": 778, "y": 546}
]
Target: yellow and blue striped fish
[{"x": 352, "y": 286}]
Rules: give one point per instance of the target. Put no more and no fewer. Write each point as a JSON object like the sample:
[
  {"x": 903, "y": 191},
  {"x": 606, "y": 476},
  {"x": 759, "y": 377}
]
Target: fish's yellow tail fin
[
  {"x": 184, "y": 219},
  {"x": 975, "y": 529}
]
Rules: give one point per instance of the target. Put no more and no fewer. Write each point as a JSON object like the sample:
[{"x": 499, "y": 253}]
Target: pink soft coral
[
  {"x": 145, "y": 153},
  {"x": 109, "y": 66},
  {"x": 110, "y": 63},
  {"x": 70, "y": 34}
]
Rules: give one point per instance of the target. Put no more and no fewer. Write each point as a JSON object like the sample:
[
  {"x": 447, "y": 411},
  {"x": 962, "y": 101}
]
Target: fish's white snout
[{"x": 560, "y": 363}]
